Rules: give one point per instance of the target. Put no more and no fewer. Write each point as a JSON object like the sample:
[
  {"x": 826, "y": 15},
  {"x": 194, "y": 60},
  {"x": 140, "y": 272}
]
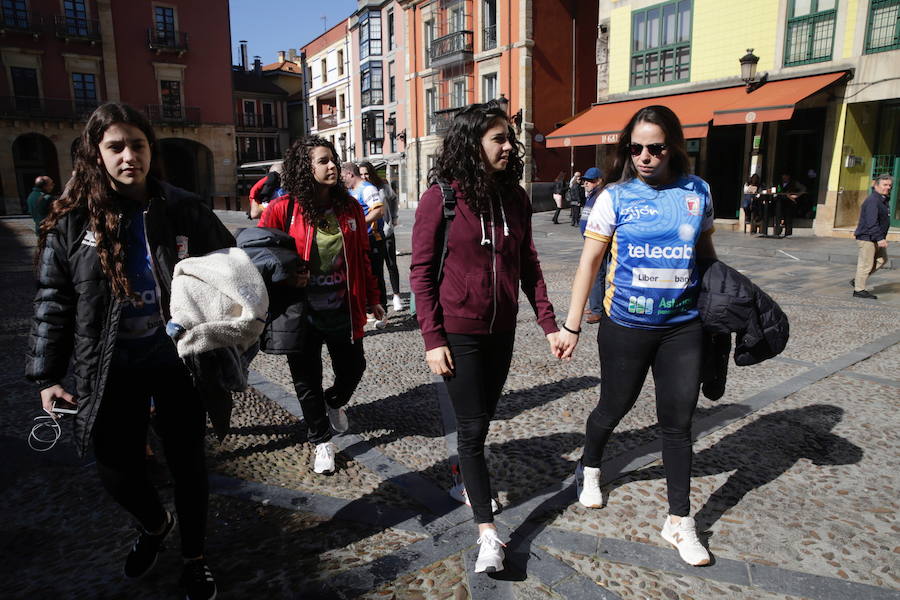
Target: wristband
[{"x": 570, "y": 330}]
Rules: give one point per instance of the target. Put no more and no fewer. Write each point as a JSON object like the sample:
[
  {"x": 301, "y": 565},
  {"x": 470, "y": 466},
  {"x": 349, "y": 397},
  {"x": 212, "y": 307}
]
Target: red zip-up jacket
[
  {"x": 479, "y": 291},
  {"x": 362, "y": 286}
]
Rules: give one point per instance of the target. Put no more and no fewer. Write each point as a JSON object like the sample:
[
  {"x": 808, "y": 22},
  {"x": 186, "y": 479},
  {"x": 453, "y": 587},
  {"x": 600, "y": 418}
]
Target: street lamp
[
  {"x": 748, "y": 71},
  {"x": 342, "y": 141},
  {"x": 390, "y": 127}
]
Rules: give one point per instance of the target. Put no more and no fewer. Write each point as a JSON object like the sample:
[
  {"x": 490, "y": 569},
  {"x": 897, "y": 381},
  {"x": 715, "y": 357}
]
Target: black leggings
[
  {"x": 120, "y": 438},
  {"x": 390, "y": 260},
  {"x": 481, "y": 364},
  {"x": 376, "y": 257},
  {"x": 626, "y": 354},
  {"x": 348, "y": 361}
]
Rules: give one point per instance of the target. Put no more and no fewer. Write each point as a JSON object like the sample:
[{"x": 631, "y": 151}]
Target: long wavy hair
[
  {"x": 460, "y": 156},
  {"x": 297, "y": 180},
  {"x": 374, "y": 178},
  {"x": 90, "y": 189},
  {"x": 622, "y": 167}
]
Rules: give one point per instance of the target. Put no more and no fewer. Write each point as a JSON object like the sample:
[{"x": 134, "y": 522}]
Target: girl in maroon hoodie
[{"x": 467, "y": 312}]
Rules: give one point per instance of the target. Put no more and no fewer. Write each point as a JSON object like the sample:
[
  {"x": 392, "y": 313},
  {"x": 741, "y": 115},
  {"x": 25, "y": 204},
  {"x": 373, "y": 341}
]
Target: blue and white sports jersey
[{"x": 652, "y": 281}]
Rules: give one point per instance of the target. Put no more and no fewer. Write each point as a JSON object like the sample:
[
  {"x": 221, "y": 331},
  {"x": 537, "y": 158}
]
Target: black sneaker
[
  {"x": 865, "y": 294},
  {"x": 146, "y": 549},
  {"x": 197, "y": 581}
]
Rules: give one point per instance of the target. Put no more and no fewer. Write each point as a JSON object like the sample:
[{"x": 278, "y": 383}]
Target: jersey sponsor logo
[
  {"x": 634, "y": 213},
  {"x": 692, "y": 202},
  {"x": 648, "y": 251},
  {"x": 89, "y": 239},
  {"x": 661, "y": 278},
  {"x": 640, "y": 305}
]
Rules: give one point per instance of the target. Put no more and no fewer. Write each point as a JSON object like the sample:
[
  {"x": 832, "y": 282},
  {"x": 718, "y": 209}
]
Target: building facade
[
  {"x": 536, "y": 56},
  {"x": 62, "y": 59},
  {"x": 378, "y": 63},
  {"x": 823, "y": 106},
  {"x": 326, "y": 65}
]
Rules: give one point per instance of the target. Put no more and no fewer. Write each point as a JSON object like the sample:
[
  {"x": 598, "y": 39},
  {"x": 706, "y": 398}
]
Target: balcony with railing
[
  {"x": 167, "y": 40},
  {"x": 14, "y": 20},
  {"x": 440, "y": 120},
  {"x": 451, "y": 49},
  {"x": 30, "y": 107},
  {"x": 326, "y": 121},
  {"x": 173, "y": 115},
  {"x": 250, "y": 120},
  {"x": 72, "y": 28},
  {"x": 489, "y": 38}
]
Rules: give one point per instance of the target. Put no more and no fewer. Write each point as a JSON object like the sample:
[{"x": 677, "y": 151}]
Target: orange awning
[{"x": 773, "y": 101}]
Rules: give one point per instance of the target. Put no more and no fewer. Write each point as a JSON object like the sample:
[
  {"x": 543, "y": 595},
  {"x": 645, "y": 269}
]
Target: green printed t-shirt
[{"x": 327, "y": 289}]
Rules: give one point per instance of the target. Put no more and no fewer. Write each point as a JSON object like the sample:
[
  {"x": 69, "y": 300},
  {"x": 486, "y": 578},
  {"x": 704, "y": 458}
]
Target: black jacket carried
[
  {"x": 730, "y": 303},
  {"x": 874, "y": 218},
  {"x": 274, "y": 253},
  {"x": 75, "y": 314}
]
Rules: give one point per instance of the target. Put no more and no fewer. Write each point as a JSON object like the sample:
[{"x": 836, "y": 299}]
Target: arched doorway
[
  {"x": 33, "y": 155},
  {"x": 189, "y": 165}
]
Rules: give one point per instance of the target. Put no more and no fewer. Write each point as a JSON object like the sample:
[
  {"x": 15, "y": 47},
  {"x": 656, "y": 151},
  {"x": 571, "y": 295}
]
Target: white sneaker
[
  {"x": 490, "y": 555},
  {"x": 587, "y": 484},
  {"x": 398, "y": 303},
  {"x": 458, "y": 493},
  {"x": 684, "y": 537},
  {"x": 338, "y": 419},
  {"x": 324, "y": 458}
]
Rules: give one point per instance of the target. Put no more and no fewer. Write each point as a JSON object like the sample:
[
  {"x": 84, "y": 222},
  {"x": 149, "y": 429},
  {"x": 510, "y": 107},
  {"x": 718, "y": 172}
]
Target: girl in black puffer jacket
[{"x": 106, "y": 255}]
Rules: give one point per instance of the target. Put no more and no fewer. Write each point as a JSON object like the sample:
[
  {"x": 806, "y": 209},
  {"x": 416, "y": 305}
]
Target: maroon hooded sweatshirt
[{"x": 479, "y": 292}]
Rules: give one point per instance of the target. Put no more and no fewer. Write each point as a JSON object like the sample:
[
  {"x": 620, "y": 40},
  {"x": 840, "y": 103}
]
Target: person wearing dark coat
[
  {"x": 871, "y": 235},
  {"x": 107, "y": 253}
]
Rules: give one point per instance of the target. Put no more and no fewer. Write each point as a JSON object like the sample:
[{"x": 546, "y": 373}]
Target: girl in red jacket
[
  {"x": 330, "y": 231},
  {"x": 467, "y": 312}
]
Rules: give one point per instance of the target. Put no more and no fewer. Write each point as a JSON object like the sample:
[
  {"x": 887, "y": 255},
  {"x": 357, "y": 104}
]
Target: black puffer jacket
[
  {"x": 730, "y": 303},
  {"x": 75, "y": 314}
]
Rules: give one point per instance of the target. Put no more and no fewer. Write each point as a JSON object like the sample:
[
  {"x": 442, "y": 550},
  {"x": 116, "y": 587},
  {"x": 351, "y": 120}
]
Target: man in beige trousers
[{"x": 871, "y": 234}]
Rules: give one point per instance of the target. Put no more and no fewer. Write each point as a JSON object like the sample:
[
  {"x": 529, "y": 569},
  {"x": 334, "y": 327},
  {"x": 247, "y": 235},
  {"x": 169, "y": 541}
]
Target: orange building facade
[{"x": 522, "y": 51}]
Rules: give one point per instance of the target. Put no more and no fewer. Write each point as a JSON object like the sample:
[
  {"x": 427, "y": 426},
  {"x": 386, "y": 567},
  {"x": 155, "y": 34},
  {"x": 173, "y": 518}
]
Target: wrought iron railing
[
  {"x": 164, "y": 113},
  {"x": 326, "y": 121},
  {"x": 489, "y": 38},
  {"x": 75, "y": 28},
  {"x": 249, "y": 120},
  {"x": 167, "y": 40},
  {"x": 441, "y": 119},
  {"x": 452, "y": 48},
  {"x": 45, "y": 108}
]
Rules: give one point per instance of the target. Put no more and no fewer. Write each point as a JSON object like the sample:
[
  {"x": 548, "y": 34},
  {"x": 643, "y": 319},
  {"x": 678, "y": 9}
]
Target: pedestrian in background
[
  {"x": 329, "y": 229},
  {"x": 750, "y": 202},
  {"x": 265, "y": 190},
  {"x": 657, "y": 219},
  {"x": 559, "y": 195},
  {"x": 576, "y": 199},
  {"x": 366, "y": 194},
  {"x": 592, "y": 183},
  {"x": 467, "y": 311},
  {"x": 871, "y": 234},
  {"x": 39, "y": 200},
  {"x": 107, "y": 251},
  {"x": 391, "y": 218}
]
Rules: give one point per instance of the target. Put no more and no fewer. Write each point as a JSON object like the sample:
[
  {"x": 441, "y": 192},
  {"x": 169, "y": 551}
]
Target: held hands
[
  {"x": 376, "y": 311},
  {"x": 566, "y": 342},
  {"x": 49, "y": 396},
  {"x": 440, "y": 361}
]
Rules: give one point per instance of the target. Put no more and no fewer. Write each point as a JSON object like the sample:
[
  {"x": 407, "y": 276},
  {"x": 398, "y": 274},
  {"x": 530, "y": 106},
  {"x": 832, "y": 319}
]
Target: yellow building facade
[{"x": 833, "y": 139}]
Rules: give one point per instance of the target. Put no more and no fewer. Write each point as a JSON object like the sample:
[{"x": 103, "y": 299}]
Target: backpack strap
[
  {"x": 449, "y": 212},
  {"x": 289, "y": 216}
]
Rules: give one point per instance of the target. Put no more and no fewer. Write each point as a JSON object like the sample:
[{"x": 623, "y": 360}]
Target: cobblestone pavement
[{"x": 795, "y": 477}]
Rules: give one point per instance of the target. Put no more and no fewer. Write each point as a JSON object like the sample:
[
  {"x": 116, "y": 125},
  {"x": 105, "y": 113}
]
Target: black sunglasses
[{"x": 653, "y": 149}]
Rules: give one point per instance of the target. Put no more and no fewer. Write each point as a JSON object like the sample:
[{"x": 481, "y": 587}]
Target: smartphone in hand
[{"x": 62, "y": 407}]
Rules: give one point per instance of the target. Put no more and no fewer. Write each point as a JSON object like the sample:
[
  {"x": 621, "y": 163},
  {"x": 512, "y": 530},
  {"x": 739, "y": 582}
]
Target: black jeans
[
  {"x": 675, "y": 355},
  {"x": 481, "y": 364},
  {"x": 390, "y": 260},
  {"x": 120, "y": 438},
  {"x": 376, "y": 257},
  {"x": 348, "y": 362}
]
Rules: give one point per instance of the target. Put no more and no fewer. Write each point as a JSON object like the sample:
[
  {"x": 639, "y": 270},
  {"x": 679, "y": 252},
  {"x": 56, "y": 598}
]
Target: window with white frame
[
  {"x": 488, "y": 87},
  {"x": 371, "y": 84},
  {"x": 369, "y": 34}
]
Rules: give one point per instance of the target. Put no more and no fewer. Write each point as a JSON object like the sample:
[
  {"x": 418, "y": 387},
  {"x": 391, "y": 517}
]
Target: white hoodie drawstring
[
  {"x": 484, "y": 240},
  {"x": 503, "y": 216}
]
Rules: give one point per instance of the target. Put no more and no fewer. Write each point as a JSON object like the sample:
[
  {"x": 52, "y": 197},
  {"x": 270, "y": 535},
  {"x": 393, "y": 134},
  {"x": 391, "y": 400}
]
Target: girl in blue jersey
[{"x": 655, "y": 220}]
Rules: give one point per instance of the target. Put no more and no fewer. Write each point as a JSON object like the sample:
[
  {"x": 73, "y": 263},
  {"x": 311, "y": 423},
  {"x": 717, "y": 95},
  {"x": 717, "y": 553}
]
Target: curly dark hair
[
  {"x": 460, "y": 156},
  {"x": 622, "y": 167},
  {"x": 89, "y": 189},
  {"x": 298, "y": 181}
]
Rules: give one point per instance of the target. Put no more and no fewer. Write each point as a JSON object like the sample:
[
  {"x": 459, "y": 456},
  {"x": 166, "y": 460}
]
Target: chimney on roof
[
  {"x": 292, "y": 55},
  {"x": 243, "y": 54},
  {"x": 257, "y": 65},
  {"x": 280, "y": 56}
]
